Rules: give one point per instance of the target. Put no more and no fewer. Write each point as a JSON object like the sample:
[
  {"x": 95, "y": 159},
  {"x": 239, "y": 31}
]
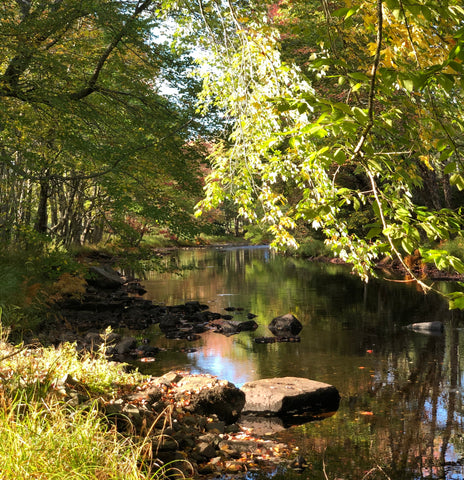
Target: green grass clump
[
  {"x": 48, "y": 442},
  {"x": 311, "y": 247},
  {"x": 43, "y": 437}
]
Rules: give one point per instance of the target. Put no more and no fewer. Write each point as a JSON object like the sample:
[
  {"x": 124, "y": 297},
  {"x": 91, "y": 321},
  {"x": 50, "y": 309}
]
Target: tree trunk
[{"x": 41, "y": 223}]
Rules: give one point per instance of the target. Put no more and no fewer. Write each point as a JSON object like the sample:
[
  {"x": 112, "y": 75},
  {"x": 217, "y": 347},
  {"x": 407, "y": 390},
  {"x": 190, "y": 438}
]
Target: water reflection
[{"x": 402, "y": 398}]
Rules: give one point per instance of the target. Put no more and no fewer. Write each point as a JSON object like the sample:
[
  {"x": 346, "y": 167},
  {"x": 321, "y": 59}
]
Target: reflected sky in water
[{"x": 402, "y": 399}]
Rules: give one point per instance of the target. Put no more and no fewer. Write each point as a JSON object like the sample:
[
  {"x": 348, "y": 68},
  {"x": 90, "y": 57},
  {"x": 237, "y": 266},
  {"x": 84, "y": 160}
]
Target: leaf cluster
[{"x": 354, "y": 111}]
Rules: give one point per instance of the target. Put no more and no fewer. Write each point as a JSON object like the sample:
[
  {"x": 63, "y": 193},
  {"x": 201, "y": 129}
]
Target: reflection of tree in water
[
  {"x": 400, "y": 405},
  {"x": 420, "y": 399},
  {"x": 403, "y": 420}
]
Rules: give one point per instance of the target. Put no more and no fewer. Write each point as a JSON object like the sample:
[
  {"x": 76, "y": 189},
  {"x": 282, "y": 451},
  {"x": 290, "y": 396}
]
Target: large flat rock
[{"x": 289, "y": 396}]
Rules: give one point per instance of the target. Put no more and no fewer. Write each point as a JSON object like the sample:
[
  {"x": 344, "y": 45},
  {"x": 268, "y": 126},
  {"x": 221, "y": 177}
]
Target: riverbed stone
[
  {"x": 206, "y": 450},
  {"x": 247, "y": 326},
  {"x": 206, "y": 395},
  {"x": 433, "y": 327},
  {"x": 285, "y": 325},
  {"x": 289, "y": 396},
  {"x": 125, "y": 345}
]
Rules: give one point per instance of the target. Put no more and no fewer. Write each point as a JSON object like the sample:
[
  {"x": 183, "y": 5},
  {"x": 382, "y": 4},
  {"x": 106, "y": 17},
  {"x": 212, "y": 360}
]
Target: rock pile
[
  {"x": 194, "y": 420},
  {"x": 110, "y": 300},
  {"x": 190, "y": 420}
]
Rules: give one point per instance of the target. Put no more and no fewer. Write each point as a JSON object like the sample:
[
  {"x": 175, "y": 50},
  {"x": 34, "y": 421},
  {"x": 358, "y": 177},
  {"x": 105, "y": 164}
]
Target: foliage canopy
[
  {"x": 347, "y": 119},
  {"x": 87, "y": 139},
  {"x": 343, "y": 117}
]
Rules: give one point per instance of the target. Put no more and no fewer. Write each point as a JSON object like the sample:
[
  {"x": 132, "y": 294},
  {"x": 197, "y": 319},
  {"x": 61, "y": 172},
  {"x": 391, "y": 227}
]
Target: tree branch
[
  {"x": 424, "y": 286},
  {"x": 371, "y": 98},
  {"x": 92, "y": 83}
]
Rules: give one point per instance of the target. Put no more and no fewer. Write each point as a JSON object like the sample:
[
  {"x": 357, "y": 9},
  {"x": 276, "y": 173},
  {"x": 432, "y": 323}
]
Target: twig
[
  {"x": 398, "y": 255},
  {"x": 371, "y": 98},
  {"x": 377, "y": 467},
  {"x": 323, "y": 467},
  {"x": 16, "y": 352}
]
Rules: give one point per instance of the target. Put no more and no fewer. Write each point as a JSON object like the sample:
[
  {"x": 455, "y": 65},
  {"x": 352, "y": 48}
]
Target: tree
[
  {"x": 381, "y": 101},
  {"x": 85, "y": 134}
]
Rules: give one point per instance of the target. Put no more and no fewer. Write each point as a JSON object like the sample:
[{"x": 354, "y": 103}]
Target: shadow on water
[{"x": 401, "y": 391}]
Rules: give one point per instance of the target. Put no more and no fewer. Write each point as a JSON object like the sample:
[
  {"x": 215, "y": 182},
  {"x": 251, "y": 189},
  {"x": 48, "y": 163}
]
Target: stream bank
[
  {"x": 353, "y": 336},
  {"x": 191, "y": 420}
]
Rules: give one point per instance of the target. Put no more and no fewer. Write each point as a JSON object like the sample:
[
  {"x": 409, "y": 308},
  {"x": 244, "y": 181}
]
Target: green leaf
[
  {"x": 339, "y": 156},
  {"x": 402, "y": 213},
  {"x": 351, "y": 12},
  {"x": 341, "y": 12},
  {"x": 373, "y": 232},
  {"x": 457, "y": 180},
  {"x": 446, "y": 81},
  {"x": 345, "y": 12},
  {"x": 359, "y": 76},
  {"x": 442, "y": 144},
  {"x": 343, "y": 107},
  {"x": 408, "y": 84},
  {"x": 456, "y": 66},
  {"x": 375, "y": 165},
  {"x": 408, "y": 245},
  {"x": 456, "y": 300},
  {"x": 451, "y": 167},
  {"x": 360, "y": 115},
  {"x": 457, "y": 264}
]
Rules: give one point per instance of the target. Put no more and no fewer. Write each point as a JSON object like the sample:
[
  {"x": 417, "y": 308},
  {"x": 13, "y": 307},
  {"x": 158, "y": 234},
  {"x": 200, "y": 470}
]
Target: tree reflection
[{"x": 401, "y": 401}]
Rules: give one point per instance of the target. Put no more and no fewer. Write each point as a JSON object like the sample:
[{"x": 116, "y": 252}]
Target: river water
[{"x": 401, "y": 410}]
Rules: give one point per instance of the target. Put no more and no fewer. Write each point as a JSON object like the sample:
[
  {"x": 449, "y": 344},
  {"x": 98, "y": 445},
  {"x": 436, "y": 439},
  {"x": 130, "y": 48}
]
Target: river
[{"x": 401, "y": 410}]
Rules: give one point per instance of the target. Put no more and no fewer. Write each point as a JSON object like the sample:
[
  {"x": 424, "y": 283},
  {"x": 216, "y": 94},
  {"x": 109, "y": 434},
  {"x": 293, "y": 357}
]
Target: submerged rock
[{"x": 232, "y": 327}]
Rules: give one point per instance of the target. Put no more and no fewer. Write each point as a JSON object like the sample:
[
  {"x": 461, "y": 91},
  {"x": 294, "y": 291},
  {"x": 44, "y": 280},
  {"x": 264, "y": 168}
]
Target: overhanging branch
[{"x": 371, "y": 98}]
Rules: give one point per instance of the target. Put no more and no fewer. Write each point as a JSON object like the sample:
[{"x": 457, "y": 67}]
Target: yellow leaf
[
  {"x": 388, "y": 58},
  {"x": 425, "y": 160}
]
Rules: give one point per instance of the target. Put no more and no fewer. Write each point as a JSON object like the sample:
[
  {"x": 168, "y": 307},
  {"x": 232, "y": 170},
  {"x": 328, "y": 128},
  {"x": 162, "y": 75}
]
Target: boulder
[
  {"x": 285, "y": 325},
  {"x": 427, "y": 327},
  {"x": 104, "y": 277},
  {"x": 289, "y": 396},
  {"x": 206, "y": 395}
]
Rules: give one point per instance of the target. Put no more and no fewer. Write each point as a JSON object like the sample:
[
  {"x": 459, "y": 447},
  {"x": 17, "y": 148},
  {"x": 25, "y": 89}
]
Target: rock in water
[
  {"x": 289, "y": 396},
  {"x": 427, "y": 327},
  {"x": 206, "y": 395},
  {"x": 285, "y": 325}
]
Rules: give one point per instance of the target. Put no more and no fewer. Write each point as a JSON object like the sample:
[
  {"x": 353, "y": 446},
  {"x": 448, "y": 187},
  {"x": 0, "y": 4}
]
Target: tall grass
[
  {"x": 42, "y": 440},
  {"x": 42, "y": 437}
]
